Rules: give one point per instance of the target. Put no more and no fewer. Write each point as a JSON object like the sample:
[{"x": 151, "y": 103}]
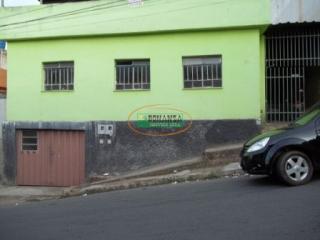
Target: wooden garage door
[{"x": 50, "y": 158}]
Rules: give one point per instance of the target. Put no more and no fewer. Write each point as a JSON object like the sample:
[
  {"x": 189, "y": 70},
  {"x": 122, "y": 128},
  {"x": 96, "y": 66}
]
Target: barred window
[
  {"x": 29, "y": 140},
  {"x": 58, "y": 76},
  {"x": 202, "y": 72},
  {"x": 132, "y": 74}
]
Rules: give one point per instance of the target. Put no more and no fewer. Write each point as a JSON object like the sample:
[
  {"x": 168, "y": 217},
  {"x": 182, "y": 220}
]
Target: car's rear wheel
[{"x": 294, "y": 168}]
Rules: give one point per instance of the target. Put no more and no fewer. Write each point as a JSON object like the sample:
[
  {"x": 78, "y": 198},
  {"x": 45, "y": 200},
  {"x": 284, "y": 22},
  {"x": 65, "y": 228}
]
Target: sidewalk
[
  {"x": 214, "y": 163},
  {"x": 18, "y": 194},
  {"x": 188, "y": 175}
]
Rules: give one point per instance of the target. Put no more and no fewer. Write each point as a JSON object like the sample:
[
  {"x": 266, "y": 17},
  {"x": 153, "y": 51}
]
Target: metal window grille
[
  {"x": 296, "y": 47},
  {"x": 286, "y": 93},
  {"x": 29, "y": 140},
  {"x": 133, "y": 74},
  {"x": 202, "y": 72},
  {"x": 289, "y": 52},
  {"x": 59, "y": 76}
]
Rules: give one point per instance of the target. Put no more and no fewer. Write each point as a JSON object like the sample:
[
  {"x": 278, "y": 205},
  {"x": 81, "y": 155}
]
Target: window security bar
[
  {"x": 135, "y": 76},
  {"x": 59, "y": 76},
  {"x": 202, "y": 75}
]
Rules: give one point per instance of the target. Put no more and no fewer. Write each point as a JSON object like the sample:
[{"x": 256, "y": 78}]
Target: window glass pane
[
  {"x": 217, "y": 83},
  {"x": 197, "y": 84},
  {"x": 219, "y": 71},
  {"x": 140, "y": 62},
  {"x": 201, "y": 60},
  {"x": 214, "y": 71},
  {"x": 188, "y": 84},
  {"x": 29, "y": 133},
  {"x": 29, "y": 140},
  {"x": 208, "y": 83},
  {"x": 185, "y": 73},
  {"x": 29, "y": 147}
]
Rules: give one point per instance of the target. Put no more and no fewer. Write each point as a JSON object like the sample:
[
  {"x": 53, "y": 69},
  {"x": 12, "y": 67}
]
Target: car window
[{"x": 308, "y": 117}]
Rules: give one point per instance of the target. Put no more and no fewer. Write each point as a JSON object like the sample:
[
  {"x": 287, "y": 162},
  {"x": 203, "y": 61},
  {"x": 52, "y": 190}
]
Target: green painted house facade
[
  {"x": 94, "y": 96},
  {"x": 172, "y": 39}
]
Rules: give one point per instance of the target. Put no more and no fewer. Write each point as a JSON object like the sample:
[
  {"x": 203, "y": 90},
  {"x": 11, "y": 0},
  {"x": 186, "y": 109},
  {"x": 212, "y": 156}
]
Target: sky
[{"x": 11, "y": 3}]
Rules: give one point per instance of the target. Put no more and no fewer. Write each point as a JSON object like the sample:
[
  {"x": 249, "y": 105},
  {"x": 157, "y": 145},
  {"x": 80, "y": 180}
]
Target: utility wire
[
  {"x": 59, "y": 14},
  {"x": 135, "y": 17},
  {"x": 74, "y": 16},
  {"x": 68, "y": 16}
]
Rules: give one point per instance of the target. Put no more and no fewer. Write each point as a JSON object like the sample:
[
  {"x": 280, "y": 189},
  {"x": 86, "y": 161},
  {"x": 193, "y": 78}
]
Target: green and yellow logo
[{"x": 159, "y": 120}]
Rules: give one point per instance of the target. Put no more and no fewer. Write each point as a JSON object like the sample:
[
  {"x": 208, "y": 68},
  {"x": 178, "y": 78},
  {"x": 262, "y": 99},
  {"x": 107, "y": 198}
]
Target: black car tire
[{"x": 292, "y": 176}]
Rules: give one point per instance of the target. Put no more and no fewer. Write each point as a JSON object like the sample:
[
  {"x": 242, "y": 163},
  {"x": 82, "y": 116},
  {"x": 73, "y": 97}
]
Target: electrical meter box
[{"x": 105, "y": 129}]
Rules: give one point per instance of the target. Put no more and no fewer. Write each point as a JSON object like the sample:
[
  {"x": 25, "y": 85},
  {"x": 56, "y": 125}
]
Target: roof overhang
[{"x": 295, "y": 11}]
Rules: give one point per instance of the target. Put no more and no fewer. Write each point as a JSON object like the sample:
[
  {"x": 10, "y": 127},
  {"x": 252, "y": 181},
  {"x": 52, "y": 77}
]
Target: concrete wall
[
  {"x": 2, "y": 174},
  {"x": 94, "y": 96},
  {"x": 130, "y": 151},
  {"x": 2, "y": 113},
  {"x": 2, "y": 119}
]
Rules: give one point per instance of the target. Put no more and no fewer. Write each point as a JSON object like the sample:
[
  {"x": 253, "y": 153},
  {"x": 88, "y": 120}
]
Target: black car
[{"x": 292, "y": 153}]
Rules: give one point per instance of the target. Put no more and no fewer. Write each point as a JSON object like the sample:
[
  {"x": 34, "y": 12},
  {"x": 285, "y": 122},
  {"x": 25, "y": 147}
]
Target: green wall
[
  {"x": 94, "y": 97},
  {"x": 262, "y": 77}
]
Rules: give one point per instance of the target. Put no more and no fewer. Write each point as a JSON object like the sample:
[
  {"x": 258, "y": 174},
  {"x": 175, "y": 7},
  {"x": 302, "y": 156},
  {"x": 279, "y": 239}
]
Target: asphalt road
[{"x": 244, "y": 208}]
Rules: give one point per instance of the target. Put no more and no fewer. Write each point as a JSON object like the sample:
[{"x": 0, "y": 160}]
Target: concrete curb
[
  {"x": 138, "y": 182},
  {"x": 174, "y": 178}
]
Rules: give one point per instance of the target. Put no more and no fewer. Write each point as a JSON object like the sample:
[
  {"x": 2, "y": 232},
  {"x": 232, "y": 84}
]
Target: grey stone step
[{"x": 222, "y": 155}]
